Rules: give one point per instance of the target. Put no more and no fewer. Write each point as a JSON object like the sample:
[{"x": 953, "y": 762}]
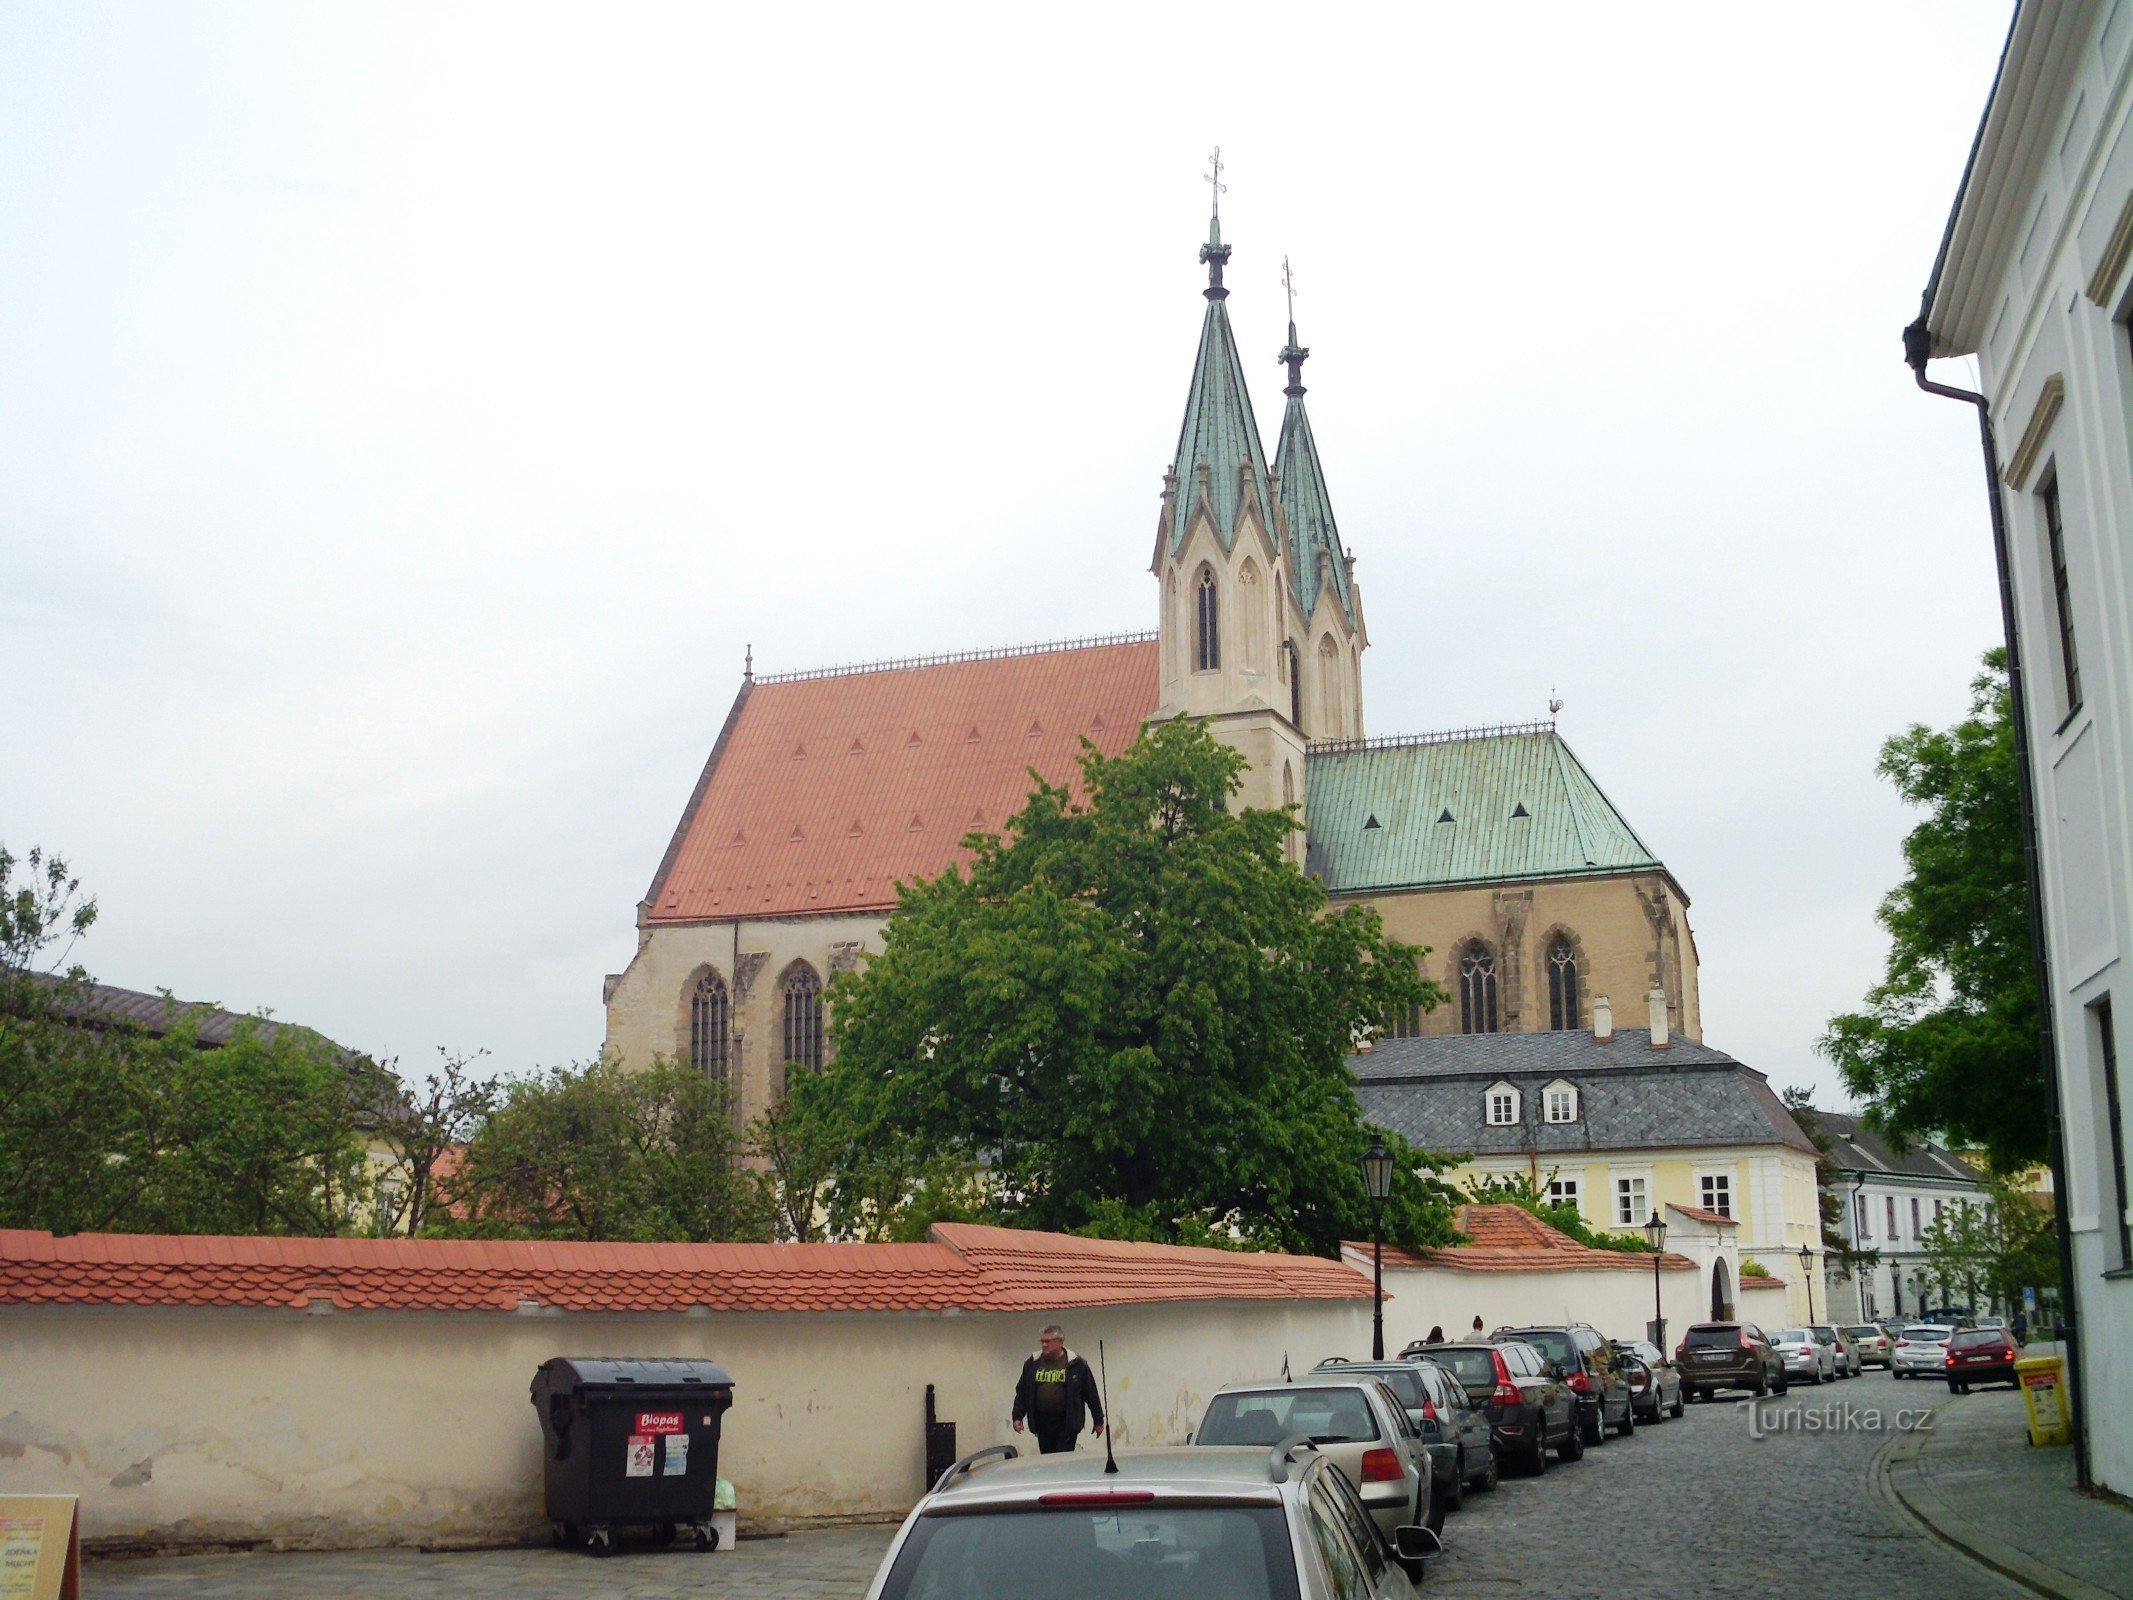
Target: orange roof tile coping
[
  {"x": 961, "y": 1268},
  {"x": 1750, "y": 1281},
  {"x": 1718, "y": 1218},
  {"x": 1509, "y": 1238},
  {"x": 822, "y": 793}
]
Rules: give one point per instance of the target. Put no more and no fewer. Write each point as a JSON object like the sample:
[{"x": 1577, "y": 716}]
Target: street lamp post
[
  {"x": 1807, "y": 1271},
  {"x": 1655, "y": 1236},
  {"x": 1377, "y": 1182}
]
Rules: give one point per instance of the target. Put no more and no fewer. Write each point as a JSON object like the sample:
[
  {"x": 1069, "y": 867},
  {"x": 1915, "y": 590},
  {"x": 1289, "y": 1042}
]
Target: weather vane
[{"x": 1214, "y": 178}]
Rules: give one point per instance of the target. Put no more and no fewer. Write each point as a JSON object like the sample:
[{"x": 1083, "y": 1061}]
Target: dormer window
[
  {"x": 1500, "y": 1104},
  {"x": 1561, "y": 1102}
]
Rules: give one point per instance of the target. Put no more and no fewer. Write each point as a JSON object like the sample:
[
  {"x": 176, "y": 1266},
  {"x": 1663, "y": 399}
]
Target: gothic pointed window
[
  {"x": 1562, "y": 985},
  {"x": 710, "y": 1026},
  {"x": 803, "y": 1017},
  {"x": 1292, "y": 669},
  {"x": 1477, "y": 989},
  {"x": 1329, "y": 690},
  {"x": 1207, "y": 625}
]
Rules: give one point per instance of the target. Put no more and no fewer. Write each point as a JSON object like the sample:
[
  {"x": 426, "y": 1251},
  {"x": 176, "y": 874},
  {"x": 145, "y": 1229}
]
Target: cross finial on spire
[
  {"x": 1292, "y": 356},
  {"x": 748, "y": 666},
  {"x": 1215, "y": 253}
]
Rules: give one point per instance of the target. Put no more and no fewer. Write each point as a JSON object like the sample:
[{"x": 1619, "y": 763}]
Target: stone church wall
[{"x": 1629, "y": 933}]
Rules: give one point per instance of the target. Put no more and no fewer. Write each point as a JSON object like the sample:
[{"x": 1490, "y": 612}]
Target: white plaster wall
[
  {"x": 372, "y": 1428},
  {"x": 1619, "y": 1304}
]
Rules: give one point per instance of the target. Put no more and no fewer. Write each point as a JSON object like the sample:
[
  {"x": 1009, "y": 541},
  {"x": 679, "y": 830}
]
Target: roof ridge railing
[
  {"x": 1407, "y": 741},
  {"x": 951, "y": 657}
]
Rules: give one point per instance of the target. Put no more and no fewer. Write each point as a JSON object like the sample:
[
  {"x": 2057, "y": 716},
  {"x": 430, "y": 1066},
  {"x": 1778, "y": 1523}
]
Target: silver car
[
  {"x": 1876, "y": 1349},
  {"x": 1839, "y": 1339},
  {"x": 1356, "y": 1423},
  {"x": 1805, "y": 1355},
  {"x": 1922, "y": 1351},
  {"x": 1242, "y": 1524}
]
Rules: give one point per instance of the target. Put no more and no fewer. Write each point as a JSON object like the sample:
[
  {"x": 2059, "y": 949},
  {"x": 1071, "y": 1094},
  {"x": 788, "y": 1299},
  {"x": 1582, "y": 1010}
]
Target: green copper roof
[
  {"x": 1314, "y": 542},
  {"x": 1220, "y": 432},
  {"x": 1445, "y": 808}
]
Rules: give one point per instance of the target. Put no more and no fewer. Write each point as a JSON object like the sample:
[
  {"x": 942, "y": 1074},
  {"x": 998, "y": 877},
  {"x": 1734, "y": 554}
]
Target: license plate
[{"x": 1712, "y": 1355}]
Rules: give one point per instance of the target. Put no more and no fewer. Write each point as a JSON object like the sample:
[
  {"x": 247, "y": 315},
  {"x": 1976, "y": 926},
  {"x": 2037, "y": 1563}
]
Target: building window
[
  {"x": 2114, "y": 1111},
  {"x": 1207, "y": 625},
  {"x": 710, "y": 1019},
  {"x": 1292, "y": 670},
  {"x": 1916, "y": 1231},
  {"x": 1563, "y": 1192},
  {"x": 1938, "y": 1205},
  {"x": 2062, "y": 601},
  {"x": 1630, "y": 1209},
  {"x": 1562, "y": 1103},
  {"x": 803, "y": 1017},
  {"x": 1893, "y": 1235},
  {"x": 1717, "y": 1190},
  {"x": 1501, "y": 1101},
  {"x": 1866, "y": 1230},
  {"x": 1477, "y": 990},
  {"x": 1562, "y": 985}
]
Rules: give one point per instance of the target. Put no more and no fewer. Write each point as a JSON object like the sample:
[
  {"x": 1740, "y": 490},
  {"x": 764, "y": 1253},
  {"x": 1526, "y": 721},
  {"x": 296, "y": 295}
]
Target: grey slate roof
[
  {"x": 1854, "y": 1147},
  {"x": 104, "y": 1005},
  {"x": 1631, "y": 1097}
]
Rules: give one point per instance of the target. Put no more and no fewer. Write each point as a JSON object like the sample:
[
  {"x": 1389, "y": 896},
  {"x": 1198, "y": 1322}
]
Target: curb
[{"x": 1902, "y": 1486}]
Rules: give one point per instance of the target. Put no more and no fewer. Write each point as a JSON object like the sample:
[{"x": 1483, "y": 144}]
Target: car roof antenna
[{"x": 1103, "y": 1377}]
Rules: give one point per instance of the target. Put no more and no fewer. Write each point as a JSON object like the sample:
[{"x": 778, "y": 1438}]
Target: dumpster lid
[{"x": 648, "y": 1371}]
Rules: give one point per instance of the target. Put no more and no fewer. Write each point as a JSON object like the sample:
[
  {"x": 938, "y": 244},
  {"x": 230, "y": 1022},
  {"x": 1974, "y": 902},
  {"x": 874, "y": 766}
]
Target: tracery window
[
  {"x": 803, "y": 1017},
  {"x": 1477, "y": 989},
  {"x": 1292, "y": 666},
  {"x": 710, "y": 1024},
  {"x": 1207, "y": 628},
  {"x": 1562, "y": 985}
]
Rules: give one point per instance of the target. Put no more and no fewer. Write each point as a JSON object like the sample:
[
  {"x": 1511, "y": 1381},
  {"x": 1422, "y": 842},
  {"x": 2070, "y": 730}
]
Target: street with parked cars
[{"x": 1362, "y": 1479}]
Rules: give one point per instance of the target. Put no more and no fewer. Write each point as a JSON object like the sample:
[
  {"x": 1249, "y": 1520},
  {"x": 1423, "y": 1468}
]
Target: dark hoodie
[{"x": 1054, "y": 1398}]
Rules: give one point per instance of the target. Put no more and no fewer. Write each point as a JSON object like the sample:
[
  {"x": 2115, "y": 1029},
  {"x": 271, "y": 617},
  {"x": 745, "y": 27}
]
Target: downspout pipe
[{"x": 1917, "y": 350}]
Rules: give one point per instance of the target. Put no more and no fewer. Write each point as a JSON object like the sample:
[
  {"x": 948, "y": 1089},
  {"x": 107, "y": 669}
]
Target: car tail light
[
  {"x": 1581, "y": 1382},
  {"x": 1131, "y": 1497},
  {"x": 1681, "y": 1351},
  {"x": 1506, "y": 1393},
  {"x": 1379, "y": 1466},
  {"x": 1429, "y": 1411}
]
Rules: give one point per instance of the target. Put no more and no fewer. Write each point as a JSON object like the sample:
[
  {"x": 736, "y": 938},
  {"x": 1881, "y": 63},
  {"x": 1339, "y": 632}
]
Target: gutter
[{"x": 1917, "y": 350}]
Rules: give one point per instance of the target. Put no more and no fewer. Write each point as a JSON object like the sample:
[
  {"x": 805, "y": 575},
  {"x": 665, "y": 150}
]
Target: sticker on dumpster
[
  {"x": 660, "y": 1422},
  {"x": 640, "y": 1460},
  {"x": 2040, "y": 1380},
  {"x": 676, "y": 1464}
]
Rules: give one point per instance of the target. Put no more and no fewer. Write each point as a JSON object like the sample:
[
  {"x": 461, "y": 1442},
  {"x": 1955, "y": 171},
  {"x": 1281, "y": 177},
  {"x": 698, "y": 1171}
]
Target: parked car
[
  {"x": 1654, "y": 1381},
  {"x": 1728, "y": 1355},
  {"x": 1876, "y": 1348},
  {"x": 1805, "y": 1355},
  {"x": 1981, "y": 1355},
  {"x": 1529, "y": 1410},
  {"x": 1278, "y": 1521},
  {"x": 1453, "y": 1429},
  {"x": 1590, "y": 1367},
  {"x": 1840, "y": 1343},
  {"x": 1950, "y": 1316},
  {"x": 1922, "y": 1352},
  {"x": 1356, "y": 1423}
]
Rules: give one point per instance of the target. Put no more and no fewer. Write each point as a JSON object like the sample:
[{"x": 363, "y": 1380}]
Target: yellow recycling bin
[{"x": 2043, "y": 1380}]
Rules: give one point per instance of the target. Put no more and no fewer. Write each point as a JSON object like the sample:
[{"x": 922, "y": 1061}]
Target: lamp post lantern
[
  {"x": 1807, "y": 1271},
  {"x": 1655, "y": 1236},
  {"x": 1377, "y": 1183}
]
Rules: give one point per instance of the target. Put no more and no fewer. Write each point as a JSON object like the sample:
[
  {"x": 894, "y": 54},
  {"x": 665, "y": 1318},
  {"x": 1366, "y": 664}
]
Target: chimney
[
  {"x": 1657, "y": 1001},
  {"x": 1603, "y": 1020}
]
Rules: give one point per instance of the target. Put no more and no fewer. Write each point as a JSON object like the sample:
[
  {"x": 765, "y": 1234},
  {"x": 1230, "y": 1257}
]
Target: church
[{"x": 824, "y": 789}]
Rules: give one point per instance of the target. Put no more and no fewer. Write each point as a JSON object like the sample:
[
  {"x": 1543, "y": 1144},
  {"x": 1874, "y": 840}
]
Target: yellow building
[{"x": 1623, "y": 1123}]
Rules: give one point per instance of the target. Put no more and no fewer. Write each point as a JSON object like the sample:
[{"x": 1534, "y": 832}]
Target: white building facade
[
  {"x": 1889, "y": 1200},
  {"x": 2035, "y": 279}
]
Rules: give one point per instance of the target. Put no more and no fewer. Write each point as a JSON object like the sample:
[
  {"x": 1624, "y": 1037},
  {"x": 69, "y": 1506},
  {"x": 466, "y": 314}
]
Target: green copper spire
[
  {"x": 1316, "y": 557},
  {"x": 1219, "y": 452}
]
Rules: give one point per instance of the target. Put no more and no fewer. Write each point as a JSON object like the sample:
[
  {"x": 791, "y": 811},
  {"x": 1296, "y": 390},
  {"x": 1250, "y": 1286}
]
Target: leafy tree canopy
[
  {"x": 1133, "y": 1014},
  {"x": 604, "y": 1152},
  {"x": 1993, "y": 1251},
  {"x": 1947, "y": 1043}
]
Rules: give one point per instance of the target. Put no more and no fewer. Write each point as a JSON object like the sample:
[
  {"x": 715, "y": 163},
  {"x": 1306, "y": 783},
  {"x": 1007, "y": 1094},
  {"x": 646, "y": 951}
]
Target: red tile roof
[
  {"x": 964, "y": 1268},
  {"x": 823, "y": 792},
  {"x": 1719, "y": 1219},
  {"x": 1508, "y": 1238}
]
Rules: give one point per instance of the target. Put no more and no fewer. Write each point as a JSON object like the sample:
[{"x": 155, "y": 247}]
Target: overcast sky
[{"x": 408, "y": 414}]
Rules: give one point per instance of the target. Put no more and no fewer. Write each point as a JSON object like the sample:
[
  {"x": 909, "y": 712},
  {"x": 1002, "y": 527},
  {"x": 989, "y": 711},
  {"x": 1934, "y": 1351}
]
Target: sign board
[
  {"x": 660, "y": 1422},
  {"x": 40, "y": 1547}
]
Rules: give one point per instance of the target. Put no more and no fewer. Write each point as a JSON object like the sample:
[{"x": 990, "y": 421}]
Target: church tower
[{"x": 1261, "y": 629}]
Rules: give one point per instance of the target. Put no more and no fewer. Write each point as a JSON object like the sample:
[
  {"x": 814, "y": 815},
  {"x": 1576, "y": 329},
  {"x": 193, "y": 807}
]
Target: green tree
[
  {"x": 1134, "y": 1013},
  {"x": 1992, "y": 1251},
  {"x": 107, "y": 1126},
  {"x": 603, "y": 1152},
  {"x": 1829, "y": 1187},
  {"x": 1947, "y": 1041},
  {"x": 419, "y": 1128}
]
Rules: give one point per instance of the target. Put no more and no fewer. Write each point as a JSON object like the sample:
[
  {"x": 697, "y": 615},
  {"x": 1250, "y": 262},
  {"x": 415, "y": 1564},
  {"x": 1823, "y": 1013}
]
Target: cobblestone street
[{"x": 1713, "y": 1503}]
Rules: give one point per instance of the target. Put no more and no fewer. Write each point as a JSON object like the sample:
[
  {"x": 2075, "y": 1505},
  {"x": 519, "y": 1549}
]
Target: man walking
[{"x": 1055, "y": 1386}]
